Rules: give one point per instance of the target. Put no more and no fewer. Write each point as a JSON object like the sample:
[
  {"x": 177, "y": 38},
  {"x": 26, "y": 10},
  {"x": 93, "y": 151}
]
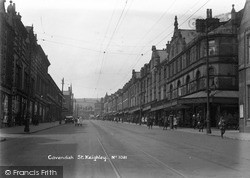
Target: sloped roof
[{"x": 189, "y": 35}]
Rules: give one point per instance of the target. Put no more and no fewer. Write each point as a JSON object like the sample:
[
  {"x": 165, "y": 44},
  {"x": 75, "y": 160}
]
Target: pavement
[
  {"x": 19, "y": 130},
  {"x": 231, "y": 134}
]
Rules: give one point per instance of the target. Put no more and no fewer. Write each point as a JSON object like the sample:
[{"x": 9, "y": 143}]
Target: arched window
[
  {"x": 187, "y": 84},
  {"x": 179, "y": 88},
  {"x": 198, "y": 76}
]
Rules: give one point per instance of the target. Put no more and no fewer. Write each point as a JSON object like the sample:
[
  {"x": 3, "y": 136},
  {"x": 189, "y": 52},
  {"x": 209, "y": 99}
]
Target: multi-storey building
[
  {"x": 24, "y": 73},
  {"x": 244, "y": 69},
  {"x": 55, "y": 99},
  {"x": 7, "y": 65},
  {"x": 194, "y": 63}
]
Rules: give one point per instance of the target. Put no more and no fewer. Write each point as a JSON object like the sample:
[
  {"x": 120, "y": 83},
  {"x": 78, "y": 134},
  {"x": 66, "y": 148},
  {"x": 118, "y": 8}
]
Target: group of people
[
  {"x": 170, "y": 121},
  {"x": 78, "y": 121},
  {"x": 199, "y": 122}
]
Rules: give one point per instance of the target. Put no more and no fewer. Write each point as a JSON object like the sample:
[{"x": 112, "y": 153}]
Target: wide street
[{"x": 110, "y": 149}]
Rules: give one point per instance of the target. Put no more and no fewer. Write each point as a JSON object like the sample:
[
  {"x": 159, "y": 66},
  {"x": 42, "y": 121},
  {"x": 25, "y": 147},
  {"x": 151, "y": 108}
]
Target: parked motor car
[{"x": 69, "y": 119}]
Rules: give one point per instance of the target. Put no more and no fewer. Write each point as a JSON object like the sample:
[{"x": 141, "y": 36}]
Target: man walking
[{"x": 222, "y": 126}]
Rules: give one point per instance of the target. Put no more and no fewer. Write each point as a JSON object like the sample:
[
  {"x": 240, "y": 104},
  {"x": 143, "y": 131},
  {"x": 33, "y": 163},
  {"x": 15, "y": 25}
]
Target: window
[
  {"x": 187, "y": 84},
  {"x": 248, "y": 49},
  {"x": 203, "y": 49},
  {"x": 176, "y": 66},
  {"x": 165, "y": 72},
  {"x": 183, "y": 62},
  {"x": 179, "y": 88},
  {"x": 212, "y": 47},
  {"x": 180, "y": 63},
  {"x": 164, "y": 91},
  {"x": 171, "y": 91},
  {"x": 198, "y": 52},
  {"x": 248, "y": 118},
  {"x": 193, "y": 54},
  {"x": 19, "y": 77},
  {"x": 26, "y": 81},
  {"x": 188, "y": 58},
  {"x": 211, "y": 77},
  {"x": 198, "y": 75}
]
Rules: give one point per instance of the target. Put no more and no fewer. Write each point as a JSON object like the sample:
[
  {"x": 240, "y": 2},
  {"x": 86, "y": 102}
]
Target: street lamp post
[
  {"x": 60, "y": 120},
  {"x": 203, "y": 25}
]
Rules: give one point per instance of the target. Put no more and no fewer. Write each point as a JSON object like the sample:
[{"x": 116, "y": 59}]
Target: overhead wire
[
  {"x": 139, "y": 57},
  {"x": 150, "y": 29},
  {"x": 170, "y": 26},
  {"x": 102, "y": 64},
  {"x": 89, "y": 49}
]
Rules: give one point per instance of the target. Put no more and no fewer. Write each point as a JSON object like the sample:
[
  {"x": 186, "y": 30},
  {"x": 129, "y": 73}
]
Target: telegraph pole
[
  {"x": 60, "y": 121},
  {"x": 207, "y": 88}
]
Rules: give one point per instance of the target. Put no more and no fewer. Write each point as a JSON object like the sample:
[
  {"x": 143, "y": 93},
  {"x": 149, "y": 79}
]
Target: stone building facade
[
  {"x": 244, "y": 69},
  {"x": 174, "y": 82},
  {"x": 25, "y": 82}
]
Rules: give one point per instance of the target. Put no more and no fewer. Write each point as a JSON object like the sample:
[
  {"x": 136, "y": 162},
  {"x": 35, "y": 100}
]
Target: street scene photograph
[{"x": 125, "y": 89}]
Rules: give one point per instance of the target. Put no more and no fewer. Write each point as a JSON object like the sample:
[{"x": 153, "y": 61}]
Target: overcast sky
[{"x": 95, "y": 44}]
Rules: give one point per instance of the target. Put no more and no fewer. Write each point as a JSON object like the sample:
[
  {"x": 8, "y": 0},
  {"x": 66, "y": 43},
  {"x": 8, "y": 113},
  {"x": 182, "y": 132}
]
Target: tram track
[
  {"x": 150, "y": 157},
  {"x": 173, "y": 145}
]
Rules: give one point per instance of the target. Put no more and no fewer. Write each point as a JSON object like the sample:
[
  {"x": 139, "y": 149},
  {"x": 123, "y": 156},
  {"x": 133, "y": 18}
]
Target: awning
[
  {"x": 146, "y": 108},
  {"x": 135, "y": 109},
  {"x": 213, "y": 94}
]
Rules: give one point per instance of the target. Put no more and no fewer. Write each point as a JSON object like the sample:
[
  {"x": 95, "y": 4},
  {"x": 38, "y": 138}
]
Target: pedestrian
[
  {"x": 77, "y": 121},
  {"x": 150, "y": 122},
  {"x": 170, "y": 119},
  {"x": 175, "y": 122},
  {"x": 222, "y": 126},
  {"x": 200, "y": 123},
  {"x": 194, "y": 121},
  {"x": 165, "y": 123},
  {"x": 5, "y": 120}
]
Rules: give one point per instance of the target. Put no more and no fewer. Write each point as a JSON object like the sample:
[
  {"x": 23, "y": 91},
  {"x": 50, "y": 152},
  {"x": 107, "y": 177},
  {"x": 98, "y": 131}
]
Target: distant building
[
  {"x": 244, "y": 70},
  {"x": 98, "y": 108},
  {"x": 68, "y": 103},
  {"x": 87, "y": 107}
]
